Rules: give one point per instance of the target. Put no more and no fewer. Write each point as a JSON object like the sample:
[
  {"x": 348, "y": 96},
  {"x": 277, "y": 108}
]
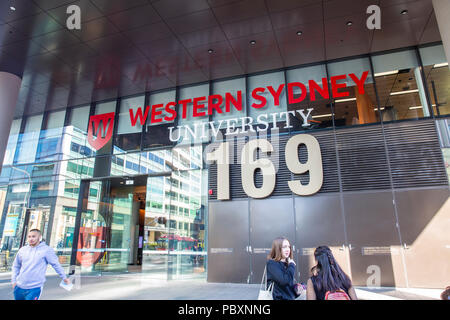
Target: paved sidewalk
[{"x": 139, "y": 287}]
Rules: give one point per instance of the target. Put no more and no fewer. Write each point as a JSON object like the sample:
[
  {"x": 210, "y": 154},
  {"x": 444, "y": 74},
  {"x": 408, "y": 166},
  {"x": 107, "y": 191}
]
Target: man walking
[{"x": 30, "y": 265}]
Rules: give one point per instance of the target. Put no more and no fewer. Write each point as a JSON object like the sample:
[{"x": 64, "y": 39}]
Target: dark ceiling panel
[
  {"x": 50, "y": 4},
  {"x": 200, "y": 53},
  {"x": 242, "y": 46},
  {"x": 161, "y": 46},
  {"x": 175, "y": 63},
  {"x": 247, "y": 27},
  {"x": 22, "y": 49},
  {"x": 310, "y": 34},
  {"x": 338, "y": 26},
  {"x": 95, "y": 29},
  {"x": 219, "y": 3},
  {"x": 174, "y": 8},
  {"x": 113, "y": 6},
  {"x": 76, "y": 54},
  {"x": 57, "y": 40},
  {"x": 303, "y": 15},
  {"x": 135, "y": 17},
  {"x": 148, "y": 33},
  {"x": 242, "y": 10},
  {"x": 36, "y": 25},
  {"x": 399, "y": 34},
  {"x": 282, "y": 5},
  {"x": 350, "y": 44},
  {"x": 342, "y": 8},
  {"x": 193, "y": 22},
  {"x": 416, "y": 9},
  {"x": 108, "y": 44},
  {"x": 387, "y": 3},
  {"x": 202, "y": 37},
  {"x": 431, "y": 32}
]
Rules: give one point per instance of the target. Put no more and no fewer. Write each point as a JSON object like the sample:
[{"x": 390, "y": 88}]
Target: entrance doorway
[
  {"x": 151, "y": 224},
  {"x": 110, "y": 225}
]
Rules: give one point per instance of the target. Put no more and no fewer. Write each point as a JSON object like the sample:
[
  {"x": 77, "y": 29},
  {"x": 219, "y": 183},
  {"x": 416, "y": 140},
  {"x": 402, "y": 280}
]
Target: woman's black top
[
  {"x": 283, "y": 277},
  {"x": 320, "y": 294}
]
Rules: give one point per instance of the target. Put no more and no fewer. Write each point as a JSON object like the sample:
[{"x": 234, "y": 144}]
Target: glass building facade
[{"x": 144, "y": 203}]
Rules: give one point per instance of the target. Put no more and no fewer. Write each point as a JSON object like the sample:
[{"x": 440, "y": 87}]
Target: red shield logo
[
  {"x": 91, "y": 245},
  {"x": 100, "y": 129}
]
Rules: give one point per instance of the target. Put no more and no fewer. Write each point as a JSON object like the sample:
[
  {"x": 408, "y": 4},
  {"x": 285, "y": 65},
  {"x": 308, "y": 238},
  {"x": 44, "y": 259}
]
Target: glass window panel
[
  {"x": 320, "y": 116},
  {"x": 134, "y": 103},
  {"x": 355, "y": 107},
  {"x": 75, "y": 134},
  {"x": 105, "y": 107},
  {"x": 29, "y": 140},
  {"x": 12, "y": 142},
  {"x": 157, "y": 134},
  {"x": 50, "y": 146},
  {"x": 129, "y": 137},
  {"x": 437, "y": 75},
  {"x": 400, "y": 87},
  {"x": 162, "y": 98},
  {"x": 274, "y": 79},
  {"x": 55, "y": 120},
  {"x": 79, "y": 118},
  {"x": 230, "y": 86},
  {"x": 194, "y": 123}
]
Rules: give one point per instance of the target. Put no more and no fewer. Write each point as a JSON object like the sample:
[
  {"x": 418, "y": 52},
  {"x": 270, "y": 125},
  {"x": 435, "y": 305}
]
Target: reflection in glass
[
  {"x": 12, "y": 142},
  {"x": 399, "y": 86},
  {"x": 437, "y": 75},
  {"x": 358, "y": 103},
  {"x": 75, "y": 134},
  {"x": 50, "y": 146},
  {"x": 28, "y": 140},
  {"x": 194, "y": 123},
  {"x": 321, "y": 116},
  {"x": 156, "y": 134},
  {"x": 128, "y": 137}
]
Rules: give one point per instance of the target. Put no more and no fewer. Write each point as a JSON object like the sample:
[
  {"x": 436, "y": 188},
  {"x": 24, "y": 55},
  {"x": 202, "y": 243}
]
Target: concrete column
[
  {"x": 9, "y": 91},
  {"x": 442, "y": 12}
]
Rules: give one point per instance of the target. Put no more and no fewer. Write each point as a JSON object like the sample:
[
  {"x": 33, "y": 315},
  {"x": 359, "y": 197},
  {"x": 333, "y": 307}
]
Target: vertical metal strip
[
  {"x": 397, "y": 224},
  {"x": 338, "y": 163},
  {"x": 81, "y": 206}
]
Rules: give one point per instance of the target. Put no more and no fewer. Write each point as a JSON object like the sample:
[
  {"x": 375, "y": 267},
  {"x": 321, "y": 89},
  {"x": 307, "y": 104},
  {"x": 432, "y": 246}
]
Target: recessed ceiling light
[
  {"x": 404, "y": 12},
  {"x": 349, "y": 23},
  {"x": 210, "y": 51},
  {"x": 253, "y": 42},
  {"x": 12, "y": 8},
  {"x": 299, "y": 33}
]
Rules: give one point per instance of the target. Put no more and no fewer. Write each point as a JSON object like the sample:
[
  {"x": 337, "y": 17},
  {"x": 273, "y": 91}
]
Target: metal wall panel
[
  {"x": 371, "y": 231},
  {"x": 269, "y": 219},
  {"x": 319, "y": 221},
  {"x": 424, "y": 218},
  {"x": 228, "y": 240}
]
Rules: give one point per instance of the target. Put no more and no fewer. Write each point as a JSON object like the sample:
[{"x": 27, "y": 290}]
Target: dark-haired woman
[
  {"x": 281, "y": 271},
  {"x": 328, "y": 277}
]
